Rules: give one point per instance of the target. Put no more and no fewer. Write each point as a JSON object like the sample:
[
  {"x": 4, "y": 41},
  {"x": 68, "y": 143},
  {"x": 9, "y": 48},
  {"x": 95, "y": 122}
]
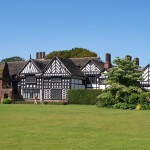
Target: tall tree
[{"x": 123, "y": 80}]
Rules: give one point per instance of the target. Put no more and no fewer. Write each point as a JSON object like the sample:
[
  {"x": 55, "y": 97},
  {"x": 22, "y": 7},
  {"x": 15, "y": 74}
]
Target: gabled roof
[
  {"x": 143, "y": 69},
  {"x": 30, "y": 60},
  {"x": 41, "y": 64},
  {"x": 72, "y": 64},
  {"x": 81, "y": 62},
  {"x": 74, "y": 70},
  {"x": 14, "y": 67}
]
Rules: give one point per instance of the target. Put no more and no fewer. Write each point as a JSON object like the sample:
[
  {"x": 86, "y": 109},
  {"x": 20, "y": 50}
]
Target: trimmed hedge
[{"x": 83, "y": 96}]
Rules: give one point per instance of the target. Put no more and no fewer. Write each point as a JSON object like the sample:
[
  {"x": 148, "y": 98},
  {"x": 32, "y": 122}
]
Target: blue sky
[{"x": 119, "y": 27}]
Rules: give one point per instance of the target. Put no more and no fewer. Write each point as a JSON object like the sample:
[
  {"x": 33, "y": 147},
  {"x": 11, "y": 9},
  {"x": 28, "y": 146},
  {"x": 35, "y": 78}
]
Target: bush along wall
[
  {"x": 83, "y": 96},
  {"x": 6, "y": 101}
]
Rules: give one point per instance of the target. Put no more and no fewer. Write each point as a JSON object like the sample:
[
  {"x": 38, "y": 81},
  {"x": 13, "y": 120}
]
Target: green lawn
[{"x": 72, "y": 127}]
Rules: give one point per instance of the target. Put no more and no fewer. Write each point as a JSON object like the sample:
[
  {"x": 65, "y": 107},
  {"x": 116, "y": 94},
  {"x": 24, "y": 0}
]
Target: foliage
[
  {"x": 105, "y": 100},
  {"x": 125, "y": 72},
  {"x": 124, "y": 106},
  {"x": 121, "y": 106},
  {"x": 5, "y": 76},
  {"x": 12, "y": 59},
  {"x": 6, "y": 101},
  {"x": 144, "y": 97},
  {"x": 134, "y": 98},
  {"x": 83, "y": 96},
  {"x": 145, "y": 106},
  {"x": 124, "y": 86},
  {"x": 73, "y": 53}
]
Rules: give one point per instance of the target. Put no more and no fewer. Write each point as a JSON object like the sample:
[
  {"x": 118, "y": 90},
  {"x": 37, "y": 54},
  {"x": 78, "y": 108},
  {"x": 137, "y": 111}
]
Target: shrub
[
  {"x": 143, "y": 98},
  {"x": 105, "y": 100},
  {"x": 83, "y": 96},
  {"x": 6, "y": 101},
  {"x": 131, "y": 106},
  {"x": 145, "y": 106},
  {"x": 133, "y": 98},
  {"x": 121, "y": 106}
]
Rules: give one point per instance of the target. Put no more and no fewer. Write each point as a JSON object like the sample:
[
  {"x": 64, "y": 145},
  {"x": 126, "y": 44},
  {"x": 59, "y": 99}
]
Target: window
[
  {"x": 29, "y": 94},
  {"x": 56, "y": 94},
  {"x": 91, "y": 80},
  {"x": 30, "y": 79},
  {"x": 56, "y": 80}
]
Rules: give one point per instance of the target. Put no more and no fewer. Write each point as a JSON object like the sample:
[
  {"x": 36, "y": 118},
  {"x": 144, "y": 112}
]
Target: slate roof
[
  {"x": 72, "y": 64},
  {"x": 73, "y": 69},
  {"x": 15, "y": 67},
  {"x": 41, "y": 63},
  {"x": 80, "y": 62}
]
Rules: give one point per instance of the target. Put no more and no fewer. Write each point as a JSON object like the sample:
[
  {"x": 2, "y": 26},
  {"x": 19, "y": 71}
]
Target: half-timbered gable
[
  {"x": 92, "y": 69},
  {"x": 58, "y": 76},
  {"x": 145, "y": 83},
  {"x": 31, "y": 80},
  {"x": 30, "y": 68},
  {"x": 56, "y": 68}
]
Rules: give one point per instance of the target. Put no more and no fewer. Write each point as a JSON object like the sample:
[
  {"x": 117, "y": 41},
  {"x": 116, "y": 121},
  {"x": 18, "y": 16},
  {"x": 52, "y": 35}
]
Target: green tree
[
  {"x": 11, "y": 59},
  {"x": 125, "y": 72},
  {"x": 73, "y": 53},
  {"x": 123, "y": 80}
]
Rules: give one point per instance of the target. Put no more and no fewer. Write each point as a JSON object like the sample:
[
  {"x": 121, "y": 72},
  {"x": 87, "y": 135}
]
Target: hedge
[{"x": 83, "y": 96}]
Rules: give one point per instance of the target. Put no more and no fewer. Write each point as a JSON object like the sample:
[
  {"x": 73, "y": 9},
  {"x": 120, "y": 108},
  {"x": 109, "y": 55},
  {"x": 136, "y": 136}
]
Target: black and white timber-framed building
[
  {"x": 50, "y": 79},
  {"x": 145, "y": 83}
]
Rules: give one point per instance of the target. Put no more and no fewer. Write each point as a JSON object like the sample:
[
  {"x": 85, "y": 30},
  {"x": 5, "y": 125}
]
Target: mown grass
[{"x": 72, "y": 127}]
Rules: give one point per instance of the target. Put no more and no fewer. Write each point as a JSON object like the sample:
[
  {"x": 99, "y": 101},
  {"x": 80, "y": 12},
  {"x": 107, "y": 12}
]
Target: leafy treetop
[
  {"x": 73, "y": 53},
  {"x": 11, "y": 59},
  {"x": 125, "y": 72}
]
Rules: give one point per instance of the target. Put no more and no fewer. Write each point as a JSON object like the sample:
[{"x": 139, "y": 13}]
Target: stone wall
[{"x": 8, "y": 91}]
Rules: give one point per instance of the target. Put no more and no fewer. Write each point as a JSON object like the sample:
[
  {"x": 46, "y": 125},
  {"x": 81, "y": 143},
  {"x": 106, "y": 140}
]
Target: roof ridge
[{"x": 83, "y": 57}]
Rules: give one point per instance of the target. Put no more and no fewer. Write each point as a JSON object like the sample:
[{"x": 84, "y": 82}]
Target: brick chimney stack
[
  {"x": 40, "y": 55},
  {"x": 107, "y": 63},
  {"x": 128, "y": 57},
  {"x": 136, "y": 61}
]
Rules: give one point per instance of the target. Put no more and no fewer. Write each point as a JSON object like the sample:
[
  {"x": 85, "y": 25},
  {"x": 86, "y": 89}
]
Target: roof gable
[
  {"x": 56, "y": 68},
  {"x": 90, "y": 68},
  {"x": 146, "y": 73},
  {"x": 30, "y": 67}
]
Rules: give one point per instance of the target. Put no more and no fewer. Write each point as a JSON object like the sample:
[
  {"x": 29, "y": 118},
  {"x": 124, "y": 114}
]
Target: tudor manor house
[{"x": 50, "y": 79}]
